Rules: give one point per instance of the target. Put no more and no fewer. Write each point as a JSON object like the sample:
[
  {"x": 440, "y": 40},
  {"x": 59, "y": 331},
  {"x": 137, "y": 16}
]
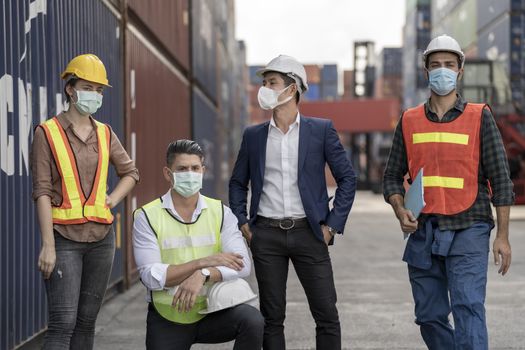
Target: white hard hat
[
  {"x": 223, "y": 295},
  {"x": 288, "y": 66},
  {"x": 444, "y": 43}
]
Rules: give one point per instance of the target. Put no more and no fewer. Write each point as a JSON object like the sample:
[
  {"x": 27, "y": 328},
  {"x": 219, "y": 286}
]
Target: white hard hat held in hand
[{"x": 223, "y": 295}]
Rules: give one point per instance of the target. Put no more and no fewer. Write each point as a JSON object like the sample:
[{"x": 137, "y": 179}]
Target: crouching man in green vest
[{"x": 183, "y": 242}]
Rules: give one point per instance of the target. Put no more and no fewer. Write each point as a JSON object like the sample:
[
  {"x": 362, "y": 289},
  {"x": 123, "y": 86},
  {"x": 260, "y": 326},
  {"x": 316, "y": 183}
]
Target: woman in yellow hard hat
[{"x": 70, "y": 157}]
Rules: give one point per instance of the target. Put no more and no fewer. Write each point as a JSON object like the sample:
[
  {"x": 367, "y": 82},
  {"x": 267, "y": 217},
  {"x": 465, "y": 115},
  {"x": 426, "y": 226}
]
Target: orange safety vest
[
  {"x": 75, "y": 208},
  {"x": 449, "y": 155}
]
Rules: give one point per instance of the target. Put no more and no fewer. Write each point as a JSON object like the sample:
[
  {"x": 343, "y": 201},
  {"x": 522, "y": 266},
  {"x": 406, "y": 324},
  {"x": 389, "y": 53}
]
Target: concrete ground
[{"x": 375, "y": 301}]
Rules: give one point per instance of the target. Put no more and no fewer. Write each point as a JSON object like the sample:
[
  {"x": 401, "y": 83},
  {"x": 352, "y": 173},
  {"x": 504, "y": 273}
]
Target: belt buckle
[{"x": 286, "y": 227}]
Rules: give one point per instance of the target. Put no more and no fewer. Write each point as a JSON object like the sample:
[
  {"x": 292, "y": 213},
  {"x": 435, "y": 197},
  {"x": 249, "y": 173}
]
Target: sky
[{"x": 316, "y": 31}]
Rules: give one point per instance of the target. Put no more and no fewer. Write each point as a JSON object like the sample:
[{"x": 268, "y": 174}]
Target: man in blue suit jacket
[{"x": 283, "y": 161}]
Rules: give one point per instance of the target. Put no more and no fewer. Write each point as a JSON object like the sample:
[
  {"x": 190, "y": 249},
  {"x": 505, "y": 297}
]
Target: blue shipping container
[
  {"x": 392, "y": 61},
  {"x": 329, "y": 73},
  {"x": 205, "y": 118},
  {"x": 254, "y": 79},
  {"x": 329, "y": 91},
  {"x": 313, "y": 93},
  {"x": 39, "y": 37}
]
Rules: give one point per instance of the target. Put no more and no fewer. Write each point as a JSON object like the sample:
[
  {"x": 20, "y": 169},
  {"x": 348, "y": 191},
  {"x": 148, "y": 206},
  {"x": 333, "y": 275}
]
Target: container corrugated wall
[
  {"x": 313, "y": 93},
  {"x": 490, "y": 10},
  {"x": 204, "y": 46},
  {"x": 39, "y": 39},
  {"x": 204, "y": 132},
  {"x": 158, "y": 75},
  {"x": 168, "y": 20},
  {"x": 159, "y": 110},
  {"x": 313, "y": 73}
]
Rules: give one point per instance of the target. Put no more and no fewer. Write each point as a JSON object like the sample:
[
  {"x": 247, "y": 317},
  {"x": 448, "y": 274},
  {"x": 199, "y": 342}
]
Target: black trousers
[
  {"x": 272, "y": 249},
  {"x": 243, "y": 323}
]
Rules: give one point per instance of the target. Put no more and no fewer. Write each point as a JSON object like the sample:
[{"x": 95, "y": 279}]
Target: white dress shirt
[
  {"x": 280, "y": 193},
  {"x": 147, "y": 251}
]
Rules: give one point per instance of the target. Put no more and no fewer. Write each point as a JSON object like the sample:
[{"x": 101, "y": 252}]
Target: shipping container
[
  {"x": 517, "y": 53},
  {"x": 357, "y": 116},
  {"x": 391, "y": 61},
  {"x": 441, "y": 9},
  {"x": 489, "y": 11},
  {"x": 411, "y": 5},
  {"x": 258, "y": 115},
  {"x": 494, "y": 42},
  {"x": 240, "y": 105},
  {"x": 313, "y": 93},
  {"x": 348, "y": 84},
  {"x": 328, "y": 91},
  {"x": 460, "y": 23},
  {"x": 168, "y": 21},
  {"x": 39, "y": 38},
  {"x": 254, "y": 78},
  {"x": 313, "y": 73},
  {"x": 388, "y": 87},
  {"x": 416, "y": 36},
  {"x": 329, "y": 73},
  {"x": 224, "y": 124},
  {"x": 204, "y": 47},
  {"x": 204, "y": 131},
  {"x": 159, "y": 112}
]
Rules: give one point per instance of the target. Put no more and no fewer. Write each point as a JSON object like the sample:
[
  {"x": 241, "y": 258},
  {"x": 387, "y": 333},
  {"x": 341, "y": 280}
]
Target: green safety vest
[{"x": 180, "y": 243}]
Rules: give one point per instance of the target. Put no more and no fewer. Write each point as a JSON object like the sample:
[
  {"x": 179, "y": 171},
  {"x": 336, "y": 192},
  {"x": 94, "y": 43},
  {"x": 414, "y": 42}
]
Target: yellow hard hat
[{"x": 88, "y": 67}]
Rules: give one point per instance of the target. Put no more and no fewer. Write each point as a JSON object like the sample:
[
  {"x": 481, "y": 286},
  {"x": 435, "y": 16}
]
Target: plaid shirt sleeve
[
  {"x": 396, "y": 166},
  {"x": 494, "y": 164}
]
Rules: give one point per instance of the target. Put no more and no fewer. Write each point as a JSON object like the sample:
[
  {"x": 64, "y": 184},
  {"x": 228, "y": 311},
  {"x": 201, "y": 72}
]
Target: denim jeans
[
  {"x": 75, "y": 291},
  {"x": 454, "y": 283}
]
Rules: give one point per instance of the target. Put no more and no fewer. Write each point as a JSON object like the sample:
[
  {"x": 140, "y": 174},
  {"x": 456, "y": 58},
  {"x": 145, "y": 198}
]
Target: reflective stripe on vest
[
  {"x": 75, "y": 208},
  {"x": 448, "y": 153},
  {"x": 180, "y": 243}
]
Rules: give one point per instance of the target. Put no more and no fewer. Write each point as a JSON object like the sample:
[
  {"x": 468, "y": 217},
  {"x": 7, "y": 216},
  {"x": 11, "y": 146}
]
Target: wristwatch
[
  {"x": 332, "y": 231},
  {"x": 206, "y": 273}
]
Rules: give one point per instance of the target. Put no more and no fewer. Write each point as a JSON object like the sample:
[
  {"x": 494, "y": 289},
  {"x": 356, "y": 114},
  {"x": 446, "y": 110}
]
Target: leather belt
[{"x": 283, "y": 224}]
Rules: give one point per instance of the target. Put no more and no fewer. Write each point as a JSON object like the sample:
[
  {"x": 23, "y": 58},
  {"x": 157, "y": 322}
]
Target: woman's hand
[{"x": 47, "y": 260}]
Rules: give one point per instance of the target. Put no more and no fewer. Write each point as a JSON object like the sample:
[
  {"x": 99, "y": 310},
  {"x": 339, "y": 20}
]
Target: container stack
[
  {"x": 416, "y": 36},
  {"x": 177, "y": 72}
]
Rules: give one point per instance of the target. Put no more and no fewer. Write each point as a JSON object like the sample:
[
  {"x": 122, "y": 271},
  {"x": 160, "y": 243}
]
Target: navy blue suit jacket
[{"x": 318, "y": 145}]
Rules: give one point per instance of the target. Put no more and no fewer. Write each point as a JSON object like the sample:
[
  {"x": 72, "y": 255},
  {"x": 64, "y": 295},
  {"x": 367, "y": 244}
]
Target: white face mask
[
  {"x": 187, "y": 183},
  {"x": 88, "y": 102},
  {"x": 269, "y": 99}
]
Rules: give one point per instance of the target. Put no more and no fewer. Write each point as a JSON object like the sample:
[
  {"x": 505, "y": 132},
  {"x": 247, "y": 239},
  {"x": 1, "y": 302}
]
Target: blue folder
[{"x": 415, "y": 197}]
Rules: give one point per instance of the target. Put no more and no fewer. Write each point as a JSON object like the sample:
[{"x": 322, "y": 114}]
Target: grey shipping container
[
  {"x": 205, "y": 133},
  {"x": 441, "y": 9},
  {"x": 169, "y": 21},
  {"x": 39, "y": 38},
  {"x": 489, "y": 11},
  {"x": 494, "y": 42},
  {"x": 204, "y": 46}
]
